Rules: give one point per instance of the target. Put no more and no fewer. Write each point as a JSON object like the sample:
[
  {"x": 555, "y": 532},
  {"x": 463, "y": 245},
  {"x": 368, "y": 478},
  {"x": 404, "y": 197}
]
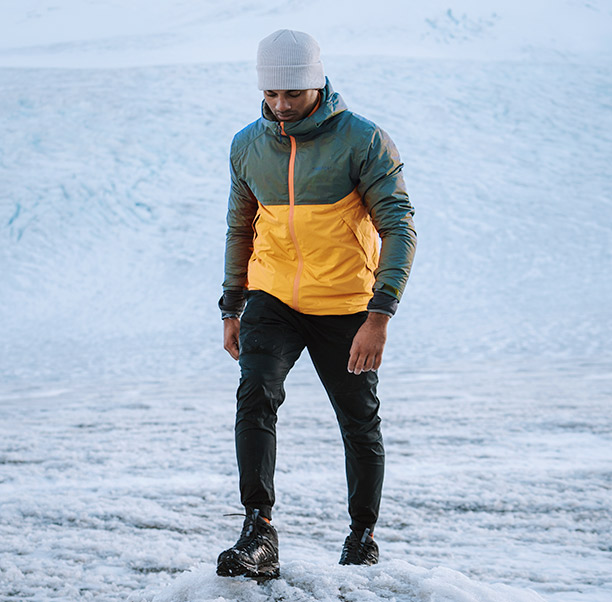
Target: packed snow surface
[{"x": 117, "y": 468}]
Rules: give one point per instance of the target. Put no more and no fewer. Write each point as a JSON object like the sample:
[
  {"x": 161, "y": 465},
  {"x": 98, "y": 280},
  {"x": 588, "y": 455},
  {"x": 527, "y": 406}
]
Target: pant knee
[{"x": 258, "y": 401}]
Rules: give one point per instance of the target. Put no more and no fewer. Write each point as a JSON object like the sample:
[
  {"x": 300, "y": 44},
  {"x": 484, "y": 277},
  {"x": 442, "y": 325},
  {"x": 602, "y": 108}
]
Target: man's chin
[{"x": 289, "y": 118}]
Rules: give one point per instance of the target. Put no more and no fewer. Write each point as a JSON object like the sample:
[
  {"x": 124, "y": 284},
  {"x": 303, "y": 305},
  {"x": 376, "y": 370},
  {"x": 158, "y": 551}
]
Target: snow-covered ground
[
  {"x": 496, "y": 474},
  {"x": 116, "y": 400}
]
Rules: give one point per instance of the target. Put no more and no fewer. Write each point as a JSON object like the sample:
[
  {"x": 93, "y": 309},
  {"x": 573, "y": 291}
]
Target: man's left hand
[{"x": 368, "y": 344}]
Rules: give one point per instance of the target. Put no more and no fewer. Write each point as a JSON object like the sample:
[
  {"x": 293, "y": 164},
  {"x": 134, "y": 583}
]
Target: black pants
[{"x": 272, "y": 337}]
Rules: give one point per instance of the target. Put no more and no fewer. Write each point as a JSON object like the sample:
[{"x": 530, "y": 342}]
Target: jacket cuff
[
  {"x": 381, "y": 303},
  {"x": 231, "y": 304}
]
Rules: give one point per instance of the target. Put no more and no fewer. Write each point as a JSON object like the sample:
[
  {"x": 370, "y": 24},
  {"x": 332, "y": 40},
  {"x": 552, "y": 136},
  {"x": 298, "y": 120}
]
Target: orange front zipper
[{"x": 291, "y": 182}]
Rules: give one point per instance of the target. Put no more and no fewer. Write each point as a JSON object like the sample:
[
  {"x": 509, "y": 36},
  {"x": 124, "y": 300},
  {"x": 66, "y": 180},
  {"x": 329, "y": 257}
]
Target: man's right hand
[{"x": 231, "y": 331}]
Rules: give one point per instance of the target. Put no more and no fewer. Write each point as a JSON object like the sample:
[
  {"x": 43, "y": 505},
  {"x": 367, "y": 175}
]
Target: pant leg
[
  {"x": 269, "y": 347},
  {"x": 356, "y": 405}
]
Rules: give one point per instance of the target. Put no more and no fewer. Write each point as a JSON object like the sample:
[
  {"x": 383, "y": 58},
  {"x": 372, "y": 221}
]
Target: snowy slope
[
  {"x": 116, "y": 400},
  {"x": 113, "y": 33},
  {"x": 115, "y": 186}
]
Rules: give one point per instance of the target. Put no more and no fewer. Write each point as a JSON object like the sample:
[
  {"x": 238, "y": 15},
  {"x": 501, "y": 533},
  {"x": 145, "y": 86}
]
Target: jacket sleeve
[
  {"x": 242, "y": 208},
  {"x": 381, "y": 186}
]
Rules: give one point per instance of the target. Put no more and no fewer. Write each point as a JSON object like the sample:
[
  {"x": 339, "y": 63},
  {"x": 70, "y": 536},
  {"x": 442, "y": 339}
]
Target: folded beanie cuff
[{"x": 291, "y": 77}]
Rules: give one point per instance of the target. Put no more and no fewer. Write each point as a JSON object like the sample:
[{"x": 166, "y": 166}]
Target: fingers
[
  {"x": 360, "y": 361},
  {"x": 231, "y": 332},
  {"x": 352, "y": 360},
  {"x": 233, "y": 348},
  {"x": 368, "y": 344}
]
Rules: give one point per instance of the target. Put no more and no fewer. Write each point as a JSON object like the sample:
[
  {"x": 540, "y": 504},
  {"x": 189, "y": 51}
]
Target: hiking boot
[
  {"x": 359, "y": 549},
  {"x": 255, "y": 554}
]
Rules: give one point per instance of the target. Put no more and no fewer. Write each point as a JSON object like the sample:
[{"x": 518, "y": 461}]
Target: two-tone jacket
[{"x": 310, "y": 203}]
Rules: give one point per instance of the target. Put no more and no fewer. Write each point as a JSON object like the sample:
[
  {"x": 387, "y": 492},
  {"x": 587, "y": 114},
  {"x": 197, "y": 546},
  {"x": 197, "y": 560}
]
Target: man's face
[{"x": 291, "y": 105}]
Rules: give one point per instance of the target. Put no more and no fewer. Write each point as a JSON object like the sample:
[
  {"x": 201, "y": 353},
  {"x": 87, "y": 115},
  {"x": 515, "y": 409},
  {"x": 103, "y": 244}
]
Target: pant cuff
[
  {"x": 264, "y": 511},
  {"x": 359, "y": 528}
]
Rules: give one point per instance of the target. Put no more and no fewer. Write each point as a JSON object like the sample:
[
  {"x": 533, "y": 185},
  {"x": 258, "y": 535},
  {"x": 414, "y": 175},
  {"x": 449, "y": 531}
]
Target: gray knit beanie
[{"x": 289, "y": 60}]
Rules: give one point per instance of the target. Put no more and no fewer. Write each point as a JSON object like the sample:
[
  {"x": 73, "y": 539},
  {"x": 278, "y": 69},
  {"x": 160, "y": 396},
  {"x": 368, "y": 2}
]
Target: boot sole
[
  {"x": 232, "y": 567},
  {"x": 366, "y": 563}
]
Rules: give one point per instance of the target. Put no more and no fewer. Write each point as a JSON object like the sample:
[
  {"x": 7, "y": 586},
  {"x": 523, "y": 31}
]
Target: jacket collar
[{"x": 331, "y": 104}]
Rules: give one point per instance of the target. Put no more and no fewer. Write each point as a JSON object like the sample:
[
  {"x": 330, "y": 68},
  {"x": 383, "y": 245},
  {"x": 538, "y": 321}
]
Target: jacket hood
[{"x": 331, "y": 105}]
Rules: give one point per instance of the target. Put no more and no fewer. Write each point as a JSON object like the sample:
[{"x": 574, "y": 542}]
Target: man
[{"x": 314, "y": 190}]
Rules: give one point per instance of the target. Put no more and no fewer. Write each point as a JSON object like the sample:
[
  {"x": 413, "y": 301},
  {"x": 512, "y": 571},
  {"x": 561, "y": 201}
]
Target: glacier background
[{"x": 116, "y": 398}]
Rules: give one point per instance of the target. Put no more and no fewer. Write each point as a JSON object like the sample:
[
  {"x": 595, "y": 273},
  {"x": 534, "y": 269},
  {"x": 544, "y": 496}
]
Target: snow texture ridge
[{"x": 305, "y": 582}]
